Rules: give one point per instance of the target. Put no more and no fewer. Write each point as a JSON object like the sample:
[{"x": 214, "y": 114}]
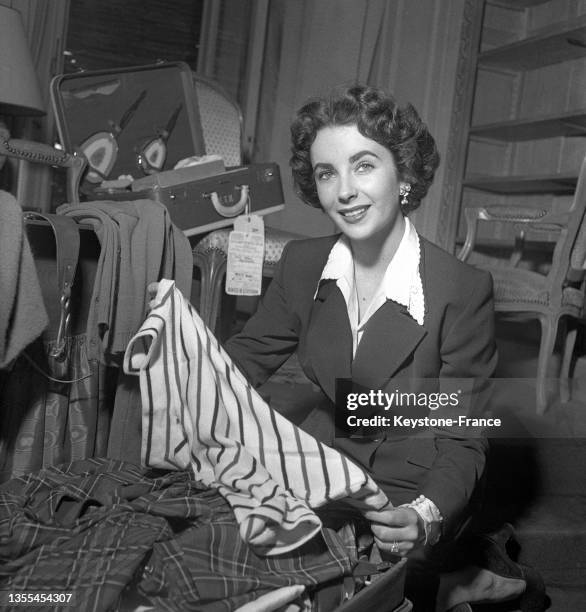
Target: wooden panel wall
[{"x": 420, "y": 66}]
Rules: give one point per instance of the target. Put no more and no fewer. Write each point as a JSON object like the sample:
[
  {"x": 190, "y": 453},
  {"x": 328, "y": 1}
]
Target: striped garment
[{"x": 198, "y": 410}]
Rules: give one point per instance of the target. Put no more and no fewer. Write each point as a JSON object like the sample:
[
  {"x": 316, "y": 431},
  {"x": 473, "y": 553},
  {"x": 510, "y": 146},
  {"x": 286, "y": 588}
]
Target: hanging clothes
[
  {"x": 55, "y": 402},
  {"x": 139, "y": 245},
  {"x": 23, "y": 317}
]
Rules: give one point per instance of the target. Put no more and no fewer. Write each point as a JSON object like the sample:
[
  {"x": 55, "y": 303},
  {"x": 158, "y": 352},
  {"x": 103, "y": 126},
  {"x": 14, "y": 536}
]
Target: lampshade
[{"x": 20, "y": 93}]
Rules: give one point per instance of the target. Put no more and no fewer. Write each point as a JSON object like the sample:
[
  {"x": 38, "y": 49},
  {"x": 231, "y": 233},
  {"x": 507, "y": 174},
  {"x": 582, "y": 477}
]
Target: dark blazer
[{"x": 456, "y": 341}]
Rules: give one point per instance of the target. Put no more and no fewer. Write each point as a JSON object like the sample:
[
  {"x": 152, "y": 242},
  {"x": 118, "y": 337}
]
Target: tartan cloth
[
  {"x": 199, "y": 410},
  {"x": 96, "y": 527}
]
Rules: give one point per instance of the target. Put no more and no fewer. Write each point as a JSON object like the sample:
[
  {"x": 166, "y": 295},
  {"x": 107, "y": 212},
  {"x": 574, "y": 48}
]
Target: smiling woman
[
  {"x": 378, "y": 118},
  {"x": 367, "y": 163},
  {"x": 358, "y": 186},
  {"x": 376, "y": 307}
]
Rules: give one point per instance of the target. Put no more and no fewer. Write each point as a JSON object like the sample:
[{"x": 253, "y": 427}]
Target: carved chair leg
[
  {"x": 201, "y": 263},
  {"x": 217, "y": 263},
  {"x": 212, "y": 265},
  {"x": 549, "y": 328},
  {"x": 566, "y": 367}
]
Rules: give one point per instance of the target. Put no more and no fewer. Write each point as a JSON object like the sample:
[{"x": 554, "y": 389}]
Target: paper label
[{"x": 246, "y": 246}]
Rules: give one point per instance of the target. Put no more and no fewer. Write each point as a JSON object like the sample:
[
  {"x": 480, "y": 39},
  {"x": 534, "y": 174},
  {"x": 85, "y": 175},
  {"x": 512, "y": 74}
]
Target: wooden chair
[
  {"x": 553, "y": 298},
  {"x": 221, "y": 122}
]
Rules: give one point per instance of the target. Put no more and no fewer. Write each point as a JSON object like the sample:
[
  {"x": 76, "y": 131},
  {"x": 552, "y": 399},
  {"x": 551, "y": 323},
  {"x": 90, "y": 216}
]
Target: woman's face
[{"x": 357, "y": 184}]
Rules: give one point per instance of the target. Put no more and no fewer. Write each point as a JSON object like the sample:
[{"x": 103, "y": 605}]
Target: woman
[{"x": 381, "y": 306}]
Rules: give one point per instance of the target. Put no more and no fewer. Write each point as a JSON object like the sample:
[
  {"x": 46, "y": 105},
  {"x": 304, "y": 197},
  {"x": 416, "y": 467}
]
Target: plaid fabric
[
  {"x": 199, "y": 410},
  {"x": 95, "y": 527}
]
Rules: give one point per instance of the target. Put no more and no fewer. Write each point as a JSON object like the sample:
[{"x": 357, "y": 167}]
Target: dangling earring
[{"x": 404, "y": 193}]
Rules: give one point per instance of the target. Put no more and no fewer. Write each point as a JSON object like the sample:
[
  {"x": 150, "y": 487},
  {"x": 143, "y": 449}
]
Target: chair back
[
  {"x": 569, "y": 257},
  {"x": 221, "y": 120}
]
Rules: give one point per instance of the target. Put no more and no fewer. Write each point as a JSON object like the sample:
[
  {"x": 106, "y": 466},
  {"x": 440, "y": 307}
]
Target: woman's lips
[{"x": 355, "y": 214}]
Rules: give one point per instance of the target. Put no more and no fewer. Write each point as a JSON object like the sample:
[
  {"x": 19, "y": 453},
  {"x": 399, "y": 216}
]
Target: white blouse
[{"x": 401, "y": 282}]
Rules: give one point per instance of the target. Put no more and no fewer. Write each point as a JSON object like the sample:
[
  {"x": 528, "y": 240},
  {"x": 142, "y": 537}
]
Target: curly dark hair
[{"x": 377, "y": 116}]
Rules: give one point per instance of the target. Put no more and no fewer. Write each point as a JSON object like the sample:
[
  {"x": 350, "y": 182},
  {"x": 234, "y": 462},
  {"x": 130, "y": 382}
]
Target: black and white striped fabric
[{"x": 199, "y": 411}]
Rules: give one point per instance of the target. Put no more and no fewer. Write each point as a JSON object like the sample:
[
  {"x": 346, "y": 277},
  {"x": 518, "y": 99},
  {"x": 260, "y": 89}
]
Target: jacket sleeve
[
  {"x": 271, "y": 335},
  {"x": 468, "y": 354}
]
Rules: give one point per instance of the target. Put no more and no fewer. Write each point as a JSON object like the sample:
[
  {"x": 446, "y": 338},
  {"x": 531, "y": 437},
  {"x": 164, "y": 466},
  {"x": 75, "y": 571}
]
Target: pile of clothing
[{"x": 116, "y": 535}]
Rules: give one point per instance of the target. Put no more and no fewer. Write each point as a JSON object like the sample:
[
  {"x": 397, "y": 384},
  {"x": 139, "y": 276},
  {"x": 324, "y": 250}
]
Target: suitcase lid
[{"x": 133, "y": 121}]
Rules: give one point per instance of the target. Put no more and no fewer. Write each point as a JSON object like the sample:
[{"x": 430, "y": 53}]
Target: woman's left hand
[{"x": 396, "y": 530}]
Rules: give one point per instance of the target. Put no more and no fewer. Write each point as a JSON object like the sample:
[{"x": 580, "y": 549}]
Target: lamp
[{"x": 20, "y": 93}]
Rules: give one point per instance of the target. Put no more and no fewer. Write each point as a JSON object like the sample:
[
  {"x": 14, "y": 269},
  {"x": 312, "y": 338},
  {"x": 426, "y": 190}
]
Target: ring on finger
[{"x": 395, "y": 547}]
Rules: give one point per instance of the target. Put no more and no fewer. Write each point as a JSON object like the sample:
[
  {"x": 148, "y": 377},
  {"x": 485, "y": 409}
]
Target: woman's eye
[
  {"x": 324, "y": 175},
  {"x": 364, "y": 166}
]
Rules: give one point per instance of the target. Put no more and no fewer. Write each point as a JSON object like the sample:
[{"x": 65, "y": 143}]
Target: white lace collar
[{"x": 402, "y": 280}]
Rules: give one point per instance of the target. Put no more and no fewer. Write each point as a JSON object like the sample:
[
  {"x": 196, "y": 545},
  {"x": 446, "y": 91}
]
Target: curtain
[
  {"x": 408, "y": 47},
  {"x": 310, "y": 47}
]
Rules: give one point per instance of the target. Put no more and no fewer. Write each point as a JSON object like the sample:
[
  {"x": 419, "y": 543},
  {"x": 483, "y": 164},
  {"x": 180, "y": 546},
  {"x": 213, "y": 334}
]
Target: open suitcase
[{"x": 133, "y": 125}]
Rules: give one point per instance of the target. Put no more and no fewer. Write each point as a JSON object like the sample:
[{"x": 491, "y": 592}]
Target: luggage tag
[{"x": 246, "y": 246}]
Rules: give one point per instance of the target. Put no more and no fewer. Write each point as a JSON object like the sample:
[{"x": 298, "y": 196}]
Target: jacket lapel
[
  {"x": 390, "y": 337},
  {"x": 329, "y": 338}
]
